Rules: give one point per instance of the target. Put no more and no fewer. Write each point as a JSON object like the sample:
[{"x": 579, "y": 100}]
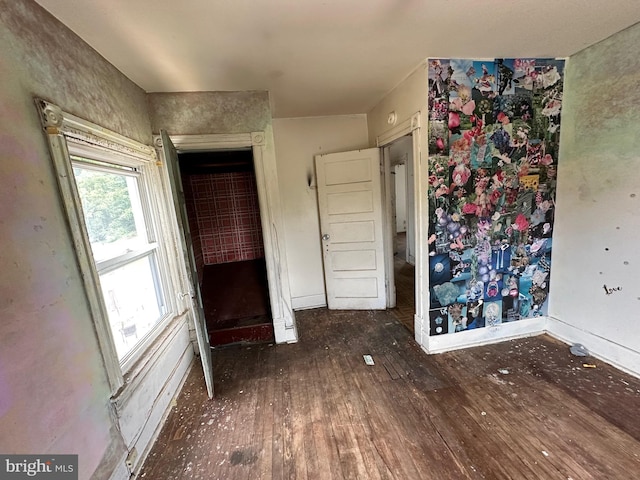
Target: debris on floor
[
  {"x": 368, "y": 359},
  {"x": 503, "y": 371},
  {"x": 588, "y": 365},
  {"x": 578, "y": 350}
]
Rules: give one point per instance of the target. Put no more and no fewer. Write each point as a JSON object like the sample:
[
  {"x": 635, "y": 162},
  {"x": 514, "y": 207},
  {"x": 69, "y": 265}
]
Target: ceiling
[{"x": 325, "y": 57}]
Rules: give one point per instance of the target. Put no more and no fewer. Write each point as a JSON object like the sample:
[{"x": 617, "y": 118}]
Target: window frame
[
  {"x": 151, "y": 250},
  {"x": 69, "y": 136}
]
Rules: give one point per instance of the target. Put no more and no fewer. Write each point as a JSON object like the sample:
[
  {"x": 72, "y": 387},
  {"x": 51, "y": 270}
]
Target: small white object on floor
[
  {"x": 579, "y": 350},
  {"x": 368, "y": 359}
]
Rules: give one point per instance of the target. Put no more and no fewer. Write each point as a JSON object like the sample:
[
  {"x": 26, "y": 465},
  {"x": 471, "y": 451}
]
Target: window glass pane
[
  {"x": 115, "y": 220},
  {"x": 112, "y": 211},
  {"x": 134, "y": 304}
]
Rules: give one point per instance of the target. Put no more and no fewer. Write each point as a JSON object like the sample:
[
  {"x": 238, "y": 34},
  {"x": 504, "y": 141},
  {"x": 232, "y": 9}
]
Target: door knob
[{"x": 325, "y": 237}]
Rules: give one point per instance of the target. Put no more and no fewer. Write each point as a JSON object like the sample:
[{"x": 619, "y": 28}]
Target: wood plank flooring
[
  {"x": 404, "y": 276},
  {"x": 522, "y": 409}
]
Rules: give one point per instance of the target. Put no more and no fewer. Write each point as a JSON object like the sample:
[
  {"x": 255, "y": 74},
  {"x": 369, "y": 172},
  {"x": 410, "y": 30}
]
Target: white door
[
  {"x": 171, "y": 157},
  {"x": 350, "y": 206}
]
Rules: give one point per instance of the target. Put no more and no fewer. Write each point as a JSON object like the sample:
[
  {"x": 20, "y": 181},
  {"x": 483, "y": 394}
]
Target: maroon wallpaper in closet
[{"x": 228, "y": 216}]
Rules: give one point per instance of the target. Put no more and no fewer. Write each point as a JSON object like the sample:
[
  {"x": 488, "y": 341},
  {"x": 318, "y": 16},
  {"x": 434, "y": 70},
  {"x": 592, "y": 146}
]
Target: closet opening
[{"x": 223, "y": 211}]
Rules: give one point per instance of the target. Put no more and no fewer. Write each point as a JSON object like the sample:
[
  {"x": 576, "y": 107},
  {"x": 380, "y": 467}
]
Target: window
[
  {"x": 114, "y": 194},
  {"x": 122, "y": 243}
]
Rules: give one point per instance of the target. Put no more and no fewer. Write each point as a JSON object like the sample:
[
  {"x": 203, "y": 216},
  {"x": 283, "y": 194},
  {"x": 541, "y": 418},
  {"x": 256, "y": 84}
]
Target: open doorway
[
  {"x": 399, "y": 169},
  {"x": 223, "y": 211}
]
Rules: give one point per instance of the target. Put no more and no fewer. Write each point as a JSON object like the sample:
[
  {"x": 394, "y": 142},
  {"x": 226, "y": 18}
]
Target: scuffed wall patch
[{"x": 494, "y": 129}]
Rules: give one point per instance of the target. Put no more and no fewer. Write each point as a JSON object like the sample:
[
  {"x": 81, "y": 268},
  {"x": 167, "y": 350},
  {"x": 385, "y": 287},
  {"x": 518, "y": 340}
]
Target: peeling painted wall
[
  {"x": 53, "y": 389},
  {"x": 598, "y": 203}
]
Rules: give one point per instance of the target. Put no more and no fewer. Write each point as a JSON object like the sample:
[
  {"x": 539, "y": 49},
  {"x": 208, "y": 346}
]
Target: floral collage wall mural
[{"x": 494, "y": 130}]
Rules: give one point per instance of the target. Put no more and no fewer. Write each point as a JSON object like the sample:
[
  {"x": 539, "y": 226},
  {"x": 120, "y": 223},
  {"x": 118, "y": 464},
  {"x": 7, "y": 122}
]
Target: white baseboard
[
  {"x": 121, "y": 472},
  {"x": 162, "y": 408},
  {"x": 309, "y": 301},
  {"x": 599, "y": 347},
  {"x": 418, "y": 328},
  {"x": 484, "y": 336}
]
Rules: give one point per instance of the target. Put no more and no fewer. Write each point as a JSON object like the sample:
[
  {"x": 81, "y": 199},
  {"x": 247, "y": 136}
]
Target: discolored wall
[
  {"x": 201, "y": 113},
  {"x": 595, "y": 295},
  {"x": 54, "y": 395}
]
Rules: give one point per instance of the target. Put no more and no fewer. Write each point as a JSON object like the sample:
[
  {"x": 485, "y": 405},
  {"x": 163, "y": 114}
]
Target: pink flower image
[
  {"x": 442, "y": 190},
  {"x": 546, "y": 160},
  {"x": 503, "y": 119},
  {"x": 521, "y": 223},
  {"x": 495, "y": 196},
  {"x": 552, "y": 108},
  {"x": 469, "y": 208},
  {"x": 481, "y": 185},
  {"x": 461, "y": 175},
  {"x": 469, "y": 107},
  {"x": 455, "y": 104},
  {"x": 454, "y": 120}
]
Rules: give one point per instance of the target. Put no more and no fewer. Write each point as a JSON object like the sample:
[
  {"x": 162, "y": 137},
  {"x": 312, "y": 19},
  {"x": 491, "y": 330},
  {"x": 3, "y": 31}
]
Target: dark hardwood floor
[
  {"x": 522, "y": 409},
  {"x": 404, "y": 275}
]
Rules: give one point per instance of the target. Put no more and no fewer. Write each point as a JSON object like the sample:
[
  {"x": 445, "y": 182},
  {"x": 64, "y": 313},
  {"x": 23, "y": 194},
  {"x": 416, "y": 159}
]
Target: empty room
[{"x": 392, "y": 239}]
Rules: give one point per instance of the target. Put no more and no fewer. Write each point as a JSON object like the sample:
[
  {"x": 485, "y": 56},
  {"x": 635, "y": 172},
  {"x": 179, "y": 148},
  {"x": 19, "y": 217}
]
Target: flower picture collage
[{"x": 494, "y": 130}]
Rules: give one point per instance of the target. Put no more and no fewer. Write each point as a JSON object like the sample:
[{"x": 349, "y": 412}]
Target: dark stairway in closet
[{"x": 224, "y": 218}]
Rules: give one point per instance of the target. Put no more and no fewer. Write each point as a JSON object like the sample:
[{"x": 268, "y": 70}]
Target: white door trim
[
  {"x": 409, "y": 126},
  {"x": 400, "y": 130},
  {"x": 388, "y": 227},
  {"x": 270, "y": 214}
]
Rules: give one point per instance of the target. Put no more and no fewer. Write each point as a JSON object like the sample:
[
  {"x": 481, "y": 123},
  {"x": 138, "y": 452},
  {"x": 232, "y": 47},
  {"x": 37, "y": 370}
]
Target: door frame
[
  {"x": 410, "y": 126},
  {"x": 284, "y": 325}
]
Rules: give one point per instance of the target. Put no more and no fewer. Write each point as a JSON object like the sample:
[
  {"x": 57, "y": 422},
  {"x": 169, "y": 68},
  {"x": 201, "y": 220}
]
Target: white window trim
[{"x": 67, "y": 134}]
